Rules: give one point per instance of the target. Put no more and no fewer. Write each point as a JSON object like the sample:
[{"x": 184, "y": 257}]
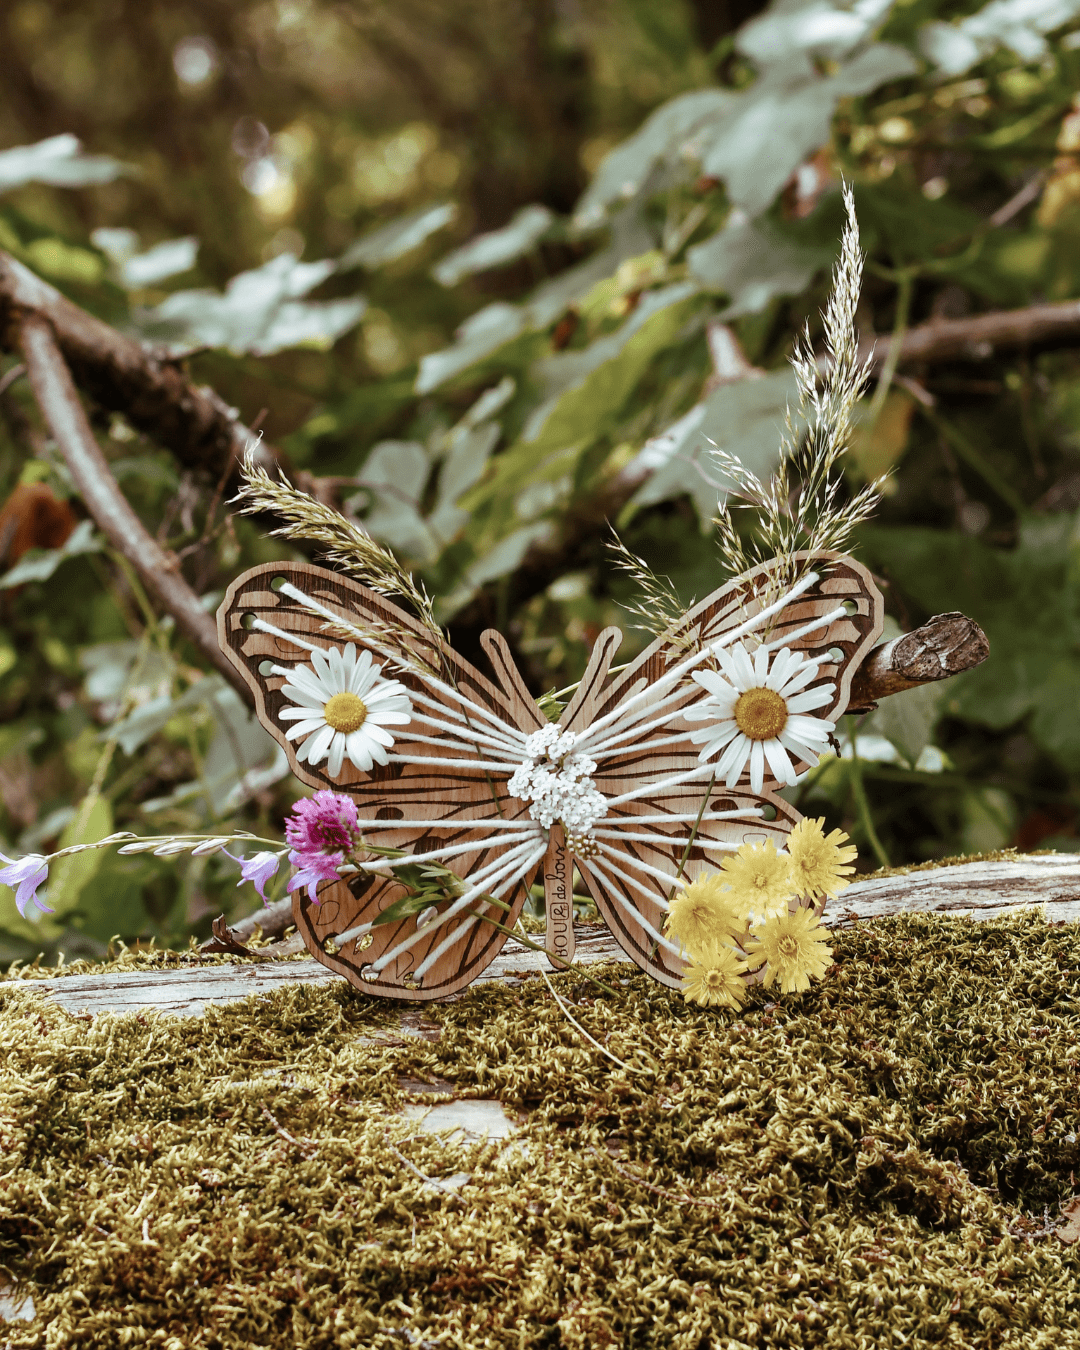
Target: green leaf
[
  {"x": 745, "y": 418},
  {"x": 58, "y": 161},
  {"x": 393, "y": 240},
  {"x": 260, "y": 312},
  {"x": 39, "y": 564},
  {"x": 753, "y": 263},
  {"x": 497, "y": 247},
  {"x": 1026, "y": 600}
]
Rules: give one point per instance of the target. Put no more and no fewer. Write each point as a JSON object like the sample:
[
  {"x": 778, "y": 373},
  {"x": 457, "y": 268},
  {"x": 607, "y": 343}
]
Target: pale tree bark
[{"x": 974, "y": 890}]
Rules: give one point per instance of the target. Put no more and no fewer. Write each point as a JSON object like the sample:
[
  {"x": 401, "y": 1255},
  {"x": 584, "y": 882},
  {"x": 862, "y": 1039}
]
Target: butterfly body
[{"x": 621, "y": 761}]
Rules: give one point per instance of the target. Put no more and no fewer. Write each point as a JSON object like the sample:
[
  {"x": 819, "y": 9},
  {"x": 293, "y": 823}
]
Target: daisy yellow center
[
  {"x": 345, "y": 712},
  {"x": 714, "y": 979},
  {"x": 788, "y": 946},
  {"x": 761, "y": 714}
]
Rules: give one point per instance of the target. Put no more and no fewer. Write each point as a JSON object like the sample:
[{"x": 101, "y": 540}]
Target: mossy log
[{"x": 979, "y": 889}]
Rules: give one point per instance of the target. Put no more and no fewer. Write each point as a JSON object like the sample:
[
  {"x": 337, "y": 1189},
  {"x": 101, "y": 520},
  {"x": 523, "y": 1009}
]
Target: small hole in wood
[
  {"x": 277, "y": 583},
  {"x": 768, "y": 812},
  {"x": 836, "y": 653},
  {"x": 370, "y": 974},
  {"x": 247, "y": 621},
  {"x": 850, "y": 607},
  {"x": 266, "y": 667},
  {"x": 365, "y": 941}
]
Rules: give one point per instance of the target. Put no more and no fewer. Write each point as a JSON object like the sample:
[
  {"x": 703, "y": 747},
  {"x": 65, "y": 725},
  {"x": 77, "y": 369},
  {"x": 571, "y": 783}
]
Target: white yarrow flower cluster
[{"x": 558, "y": 784}]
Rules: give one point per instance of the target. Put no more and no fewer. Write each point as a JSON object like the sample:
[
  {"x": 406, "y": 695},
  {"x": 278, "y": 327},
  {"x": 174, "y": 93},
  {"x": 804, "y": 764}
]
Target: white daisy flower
[
  {"x": 343, "y": 707},
  {"x": 757, "y": 711}
]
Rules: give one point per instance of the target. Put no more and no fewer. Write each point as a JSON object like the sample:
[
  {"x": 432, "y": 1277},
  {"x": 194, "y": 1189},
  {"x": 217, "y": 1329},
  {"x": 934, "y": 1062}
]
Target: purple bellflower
[
  {"x": 259, "y": 868},
  {"x": 313, "y": 868},
  {"x": 27, "y": 874}
]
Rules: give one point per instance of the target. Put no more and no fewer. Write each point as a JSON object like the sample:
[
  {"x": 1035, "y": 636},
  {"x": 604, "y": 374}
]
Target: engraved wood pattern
[
  {"x": 393, "y": 792},
  {"x": 627, "y": 895},
  {"x": 664, "y": 832}
]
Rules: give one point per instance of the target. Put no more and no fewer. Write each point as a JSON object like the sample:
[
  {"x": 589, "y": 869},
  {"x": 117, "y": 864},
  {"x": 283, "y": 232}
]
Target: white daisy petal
[
  {"x": 809, "y": 728},
  {"x": 307, "y": 713},
  {"x": 811, "y": 698},
  {"x": 800, "y": 679},
  {"x": 785, "y": 663},
  {"x": 298, "y": 733},
  {"x": 303, "y": 729},
  {"x": 733, "y": 760},
  {"x": 383, "y": 693},
  {"x": 338, "y": 679},
  {"x": 366, "y": 677},
  {"x": 757, "y": 766},
  {"x": 745, "y": 677},
  {"x": 359, "y": 748},
  {"x": 779, "y": 763},
  {"x": 315, "y": 749},
  {"x": 797, "y": 748},
  {"x": 761, "y": 665},
  {"x": 387, "y": 719},
  {"x": 377, "y": 734},
  {"x": 336, "y": 755},
  {"x": 303, "y": 688},
  {"x": 712, "y": 682}
]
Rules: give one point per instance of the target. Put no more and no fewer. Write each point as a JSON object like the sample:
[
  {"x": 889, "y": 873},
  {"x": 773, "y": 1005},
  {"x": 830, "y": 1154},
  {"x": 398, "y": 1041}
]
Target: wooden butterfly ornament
[{"x": 651, "y": 775}]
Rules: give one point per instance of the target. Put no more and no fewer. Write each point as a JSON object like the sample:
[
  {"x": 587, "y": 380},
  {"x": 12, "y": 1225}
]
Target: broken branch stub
[{"x": 945, "y": 645}]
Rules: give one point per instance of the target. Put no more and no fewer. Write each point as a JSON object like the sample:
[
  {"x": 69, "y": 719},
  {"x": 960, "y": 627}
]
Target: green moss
[{"x": 877, "y": 1163}]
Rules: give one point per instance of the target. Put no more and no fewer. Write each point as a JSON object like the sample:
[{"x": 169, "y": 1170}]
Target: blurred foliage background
[{"x": 492, "y": 274}]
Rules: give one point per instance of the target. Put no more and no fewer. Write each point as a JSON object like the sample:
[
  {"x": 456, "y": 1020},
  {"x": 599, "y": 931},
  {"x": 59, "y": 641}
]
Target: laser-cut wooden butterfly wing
[
  {"x": 630, "y": 875},
  {"x": 443, "y": 804}
]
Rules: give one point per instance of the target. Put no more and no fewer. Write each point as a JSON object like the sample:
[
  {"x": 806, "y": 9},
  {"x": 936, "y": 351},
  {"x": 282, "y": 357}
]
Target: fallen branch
[
  {"x": 122, "y": 375},
  {"x": 59, "y": 402},
  {"x": 945, "y": 645},
  {"x": 978, "y": 336},
  {"x": 979, "y": 890}
]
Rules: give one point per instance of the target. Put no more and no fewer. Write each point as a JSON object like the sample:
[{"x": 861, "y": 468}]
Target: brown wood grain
[{"x": 626, "y": 872}]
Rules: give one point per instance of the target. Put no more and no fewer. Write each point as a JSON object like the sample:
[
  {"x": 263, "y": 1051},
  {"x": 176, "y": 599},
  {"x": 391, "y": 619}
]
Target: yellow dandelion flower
[
  {"x": 714, "y": 978},
  {"x": 795, "y": 949},
  {"x": 702, "y": 915},
  {"x": 760, "y": 879},
  {"x": 819, "y": 865}
]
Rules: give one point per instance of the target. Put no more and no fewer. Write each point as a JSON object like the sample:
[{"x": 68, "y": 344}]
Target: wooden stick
[
  {"x": 58, "y": 399},
  {"x": 978, "y": 336},
  {"x": 946, "y": 645},
  {"x": 978, "y": 890}
]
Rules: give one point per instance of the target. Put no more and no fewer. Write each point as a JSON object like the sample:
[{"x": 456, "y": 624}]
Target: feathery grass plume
[
  {"x": 658, "y": 606},
  {"x": 797, "y": 509},
  {"x": 343, "y": 542}
]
